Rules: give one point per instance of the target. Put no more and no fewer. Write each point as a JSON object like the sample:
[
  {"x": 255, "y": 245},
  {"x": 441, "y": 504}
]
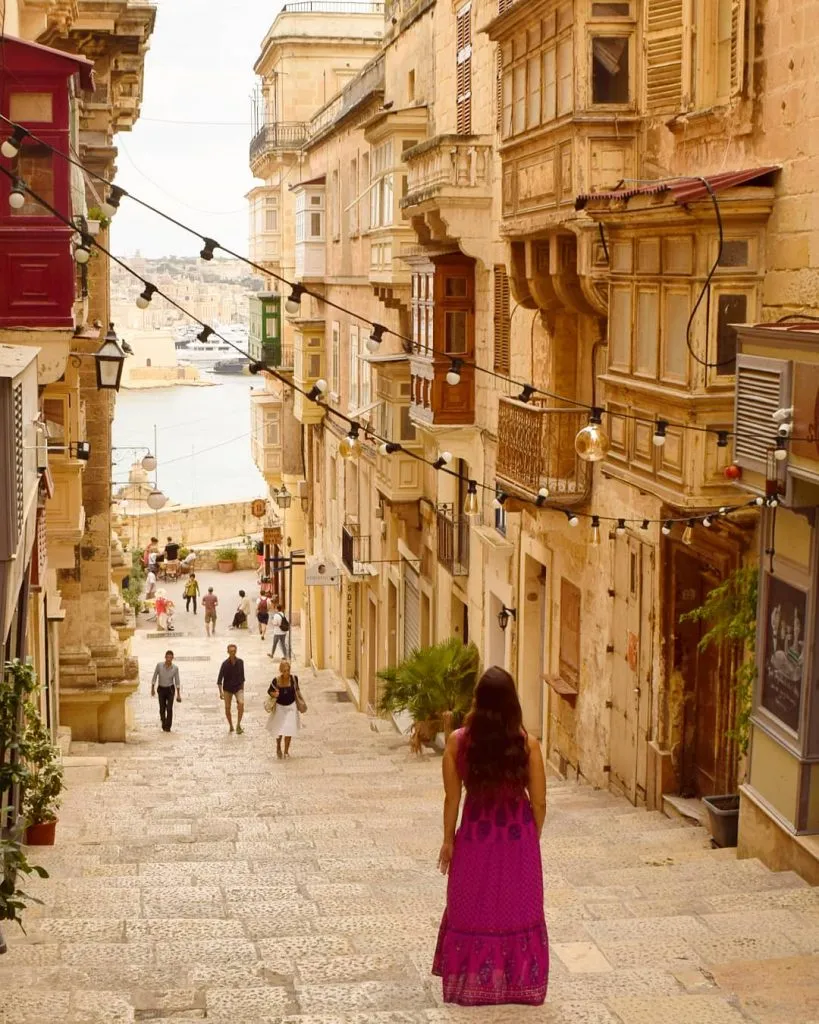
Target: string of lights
[
  {"x": 350, "y": 445},
  {"x": 11, "y": 146}
]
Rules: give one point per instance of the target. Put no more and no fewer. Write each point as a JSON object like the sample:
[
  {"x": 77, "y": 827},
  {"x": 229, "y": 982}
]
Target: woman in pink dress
[{"x": 492, "y": 944}]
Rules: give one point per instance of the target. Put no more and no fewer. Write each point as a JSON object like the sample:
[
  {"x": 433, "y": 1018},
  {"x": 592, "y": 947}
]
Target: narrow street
[{"x": 205, "y": 880}]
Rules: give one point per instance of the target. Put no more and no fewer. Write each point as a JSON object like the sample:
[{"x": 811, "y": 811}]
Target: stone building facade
[
  {"x": 542, "y": 189},
  {"x": 78, "y": 631}
]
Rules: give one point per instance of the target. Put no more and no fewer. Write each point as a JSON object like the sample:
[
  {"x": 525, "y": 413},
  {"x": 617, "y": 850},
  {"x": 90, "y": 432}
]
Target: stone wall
[{"x": 192, "y": 524}]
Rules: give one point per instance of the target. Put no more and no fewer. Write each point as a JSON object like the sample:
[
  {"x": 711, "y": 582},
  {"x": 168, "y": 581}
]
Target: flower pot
[
  {"x": 723, "y": 813},
  {"x": 227, "y": 566},
  {"x": 41, "y": 834}
]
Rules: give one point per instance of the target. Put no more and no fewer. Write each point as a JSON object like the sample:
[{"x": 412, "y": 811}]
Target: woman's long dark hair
[{"x": 496, "y": 746}]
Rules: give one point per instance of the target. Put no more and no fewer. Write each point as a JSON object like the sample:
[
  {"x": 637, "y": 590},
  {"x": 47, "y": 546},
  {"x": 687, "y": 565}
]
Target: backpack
[
  {"x": 262, "y": 605},
  {"x": 284, "y": 625}
]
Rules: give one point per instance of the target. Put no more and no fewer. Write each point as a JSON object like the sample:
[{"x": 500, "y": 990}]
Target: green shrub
[{"x": 228, "y": 554}]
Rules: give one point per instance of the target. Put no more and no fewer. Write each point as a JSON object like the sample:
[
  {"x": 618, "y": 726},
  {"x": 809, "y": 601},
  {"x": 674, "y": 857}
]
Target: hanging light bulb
[
  {"x": 293, "y": 303},
  {"x": 620, "y": 529},
  {"x": 706, "y": 522},
  {"x": 10, "y": 147},
  {"x": 592, "y": 442},
  {"x": 349, "y": 447},
  {"x": 688, "y": 533},
  {"x": 149, "y": 463},
  {"x": 82, "y": 253},
  {"x": 773, "y": 501},
  {"x": 666, "y": 528},
  {"x": 110, "y": 204},
  {"x": 472, "y": 507},
  {"x": 781, "y": 450},
  {"x": 542, "y": 495},
  {"x": 208, "y": 249},
  {"x": 595, "y": 532},
  {"x": 443, "y": 459},
  {"x": 375, "y": 338},
  {"x": 204, "y": 334},
  {"x": 572, "y": 518},
  {"x": 317, "y": 390},
  {"x": 17, "y": 196},
  {"x": 722, "y": 439},
  {"x": 526, "y": 393},
  {"x": 500, "y": 500},
  {"x": 144, "y": 299},
  {"x": 644, "y": 524},
  {"x": 388, "y": 447},
  {"x": 659, "y": 433},
  {"x": 453, "y": 376},
  {"x": 757, "y": 502}
]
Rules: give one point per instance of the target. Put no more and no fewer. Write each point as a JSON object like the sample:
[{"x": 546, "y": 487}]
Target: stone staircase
[{"x": 205, "y": 880}]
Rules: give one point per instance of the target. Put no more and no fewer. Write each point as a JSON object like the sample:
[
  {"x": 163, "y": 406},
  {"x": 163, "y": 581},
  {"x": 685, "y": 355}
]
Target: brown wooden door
[{"x": 700, "y": 673}]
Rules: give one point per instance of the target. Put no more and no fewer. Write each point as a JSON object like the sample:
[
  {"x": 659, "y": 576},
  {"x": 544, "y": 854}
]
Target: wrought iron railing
[
  {"x": 280, "y": 135},
  {"x": 453, "y": 541},
  {"x": 355, "y": 550},
  {"x": 272, "y": 353},
  {"x": 536, "y": 448},
  {"x": 333, "y": 7}
]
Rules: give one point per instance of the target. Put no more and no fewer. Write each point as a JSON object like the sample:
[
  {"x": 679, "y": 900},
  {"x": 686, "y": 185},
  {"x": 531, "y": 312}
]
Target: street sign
[
  {"x": 321, "y": 572},
  {"x": 272, "y": 535},
  {"x": 258, "y": 507}
]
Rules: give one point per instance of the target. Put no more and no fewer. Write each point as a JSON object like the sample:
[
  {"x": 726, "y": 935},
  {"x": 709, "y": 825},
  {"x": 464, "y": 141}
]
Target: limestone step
[{"x": 81, "y": 770}]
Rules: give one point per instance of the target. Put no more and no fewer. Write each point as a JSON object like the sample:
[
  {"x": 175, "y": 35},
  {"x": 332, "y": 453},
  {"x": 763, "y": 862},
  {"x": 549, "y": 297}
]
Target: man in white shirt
[
  {"x": 166, "y": 681},
  {"x": 281, "y": 628},
  {"x": 150, "y": 584}
]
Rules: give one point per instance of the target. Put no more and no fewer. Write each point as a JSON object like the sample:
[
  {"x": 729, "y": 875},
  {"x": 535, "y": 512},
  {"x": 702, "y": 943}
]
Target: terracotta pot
[
  {"x": 41, "y": 834},
  {"x": 227, "y": 566}
]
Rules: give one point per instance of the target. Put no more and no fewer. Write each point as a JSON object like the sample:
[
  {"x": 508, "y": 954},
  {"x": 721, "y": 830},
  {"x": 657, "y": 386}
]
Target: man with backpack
[{"x": 281, "y": 627}]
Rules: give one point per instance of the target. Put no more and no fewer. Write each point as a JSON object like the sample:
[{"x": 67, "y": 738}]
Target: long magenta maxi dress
[{"x": 492, "y": 944}]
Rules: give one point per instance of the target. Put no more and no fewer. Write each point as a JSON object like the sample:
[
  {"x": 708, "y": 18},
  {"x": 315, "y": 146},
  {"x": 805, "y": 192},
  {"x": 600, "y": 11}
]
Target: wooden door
[
  {"x": 632, "y": 625},
  {"x": 700, "y": 674}
]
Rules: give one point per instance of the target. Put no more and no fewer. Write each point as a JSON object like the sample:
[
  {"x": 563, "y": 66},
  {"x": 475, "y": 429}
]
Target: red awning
[
  {"x": 682, "y": 190},
  {"x": 72, "y": 63}
]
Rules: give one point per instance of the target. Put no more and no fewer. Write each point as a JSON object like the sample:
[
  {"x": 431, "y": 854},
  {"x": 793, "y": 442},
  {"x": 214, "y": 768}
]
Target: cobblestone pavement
[{"x": 205, "y": 880}]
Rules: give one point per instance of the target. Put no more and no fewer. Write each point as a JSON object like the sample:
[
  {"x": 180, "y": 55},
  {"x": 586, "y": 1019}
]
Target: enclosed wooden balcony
[
  {"x": 536, "y": 450},
  {"x": 453, "y": 541}
]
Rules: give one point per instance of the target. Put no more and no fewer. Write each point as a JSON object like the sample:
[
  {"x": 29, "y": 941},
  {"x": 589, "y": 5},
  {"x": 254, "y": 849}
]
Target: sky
[{"x": 199, "y": 68}]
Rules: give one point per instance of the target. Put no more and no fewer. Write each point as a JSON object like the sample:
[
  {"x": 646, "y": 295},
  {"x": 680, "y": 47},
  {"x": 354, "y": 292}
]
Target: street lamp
[
  {"x": 156, "y": 500},
  {"x": 149, "y": 463},
  {"x": 503, "y": 616},
  {"x": 284, "y": 498},
  {"x": 109, "y": 359}
]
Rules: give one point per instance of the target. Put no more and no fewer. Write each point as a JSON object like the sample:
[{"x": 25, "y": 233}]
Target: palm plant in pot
[
  {"x": 44, "y": 780},
  {"x": 435, "y": 685},
  {"x": 226, "y": 559}
]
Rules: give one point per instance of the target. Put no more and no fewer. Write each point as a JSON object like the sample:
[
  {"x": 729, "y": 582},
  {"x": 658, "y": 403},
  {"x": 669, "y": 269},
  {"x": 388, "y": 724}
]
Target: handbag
[
  {"x": 270, "y": 701},
  {"x": 301, "y": 703}
]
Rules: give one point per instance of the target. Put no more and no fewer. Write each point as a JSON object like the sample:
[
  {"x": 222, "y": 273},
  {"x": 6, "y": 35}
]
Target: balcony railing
[
  {"x": 453, "y": 541},
  {"x": 333, "y": 7},
  {"x": 448, "y": 165},
  {"x": 283, "y": 135},
  {"x": 272, "y": 353},
  {"x": 355, "y": 551},
  {"x": 536, "y": 449}
]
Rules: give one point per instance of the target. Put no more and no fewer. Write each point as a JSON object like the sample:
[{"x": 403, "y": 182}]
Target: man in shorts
[
  {"x": 209, "y": 603},
  {"x": 231, "y": 683}
]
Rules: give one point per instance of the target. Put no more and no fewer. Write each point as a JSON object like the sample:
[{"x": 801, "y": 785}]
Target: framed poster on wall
[{"x": 782, "y": 664}]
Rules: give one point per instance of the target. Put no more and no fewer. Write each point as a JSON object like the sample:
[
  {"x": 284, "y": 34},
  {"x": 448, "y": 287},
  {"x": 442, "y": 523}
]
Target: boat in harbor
[
  {"x": 231, "y": 366},
  {"x": 232, "y": 342}
]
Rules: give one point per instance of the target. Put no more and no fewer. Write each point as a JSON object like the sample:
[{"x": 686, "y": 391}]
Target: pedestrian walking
[
  {"x": 161, "y": 608},
  {"x": 242, "y": 613},
  {"x": 191, "y": 592},
  {"x": 166, "y": 683},
  {"x": 150, "y": 585},
  {"x": 262, "y": 615},
  {"x": 209, "y": 603},
  {"x": 285, "y": 721},
  {"x": 231, "y": 683},
  {"x": 281, "y": 627},
  {"x": 492, "y": 944}
]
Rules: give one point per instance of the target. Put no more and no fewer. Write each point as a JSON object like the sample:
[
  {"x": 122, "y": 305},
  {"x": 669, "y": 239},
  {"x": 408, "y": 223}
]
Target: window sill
[
  {"x": 706, "y": 120},
  {"x": 562, "y": 689}
]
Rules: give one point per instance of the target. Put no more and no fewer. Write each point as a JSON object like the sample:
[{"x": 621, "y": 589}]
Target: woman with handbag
[{"x": 288, "y": 705}]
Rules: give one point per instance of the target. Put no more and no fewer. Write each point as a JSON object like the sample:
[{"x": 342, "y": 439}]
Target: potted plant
[
  {"x": 435, "y": 685},
  {"x": 226, "y": 559},
  {"x": 730, "y": 610},
  {"x": 43, "y": 782},
  {"x": 96, "y": 220}
]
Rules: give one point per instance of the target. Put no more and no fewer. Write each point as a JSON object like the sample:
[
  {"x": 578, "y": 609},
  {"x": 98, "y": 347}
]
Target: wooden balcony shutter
[
  {"x": 666, "y": 63},
  {"x": 499, "y": 90},
  {"x": 502, "y": 357},
  {"x": 463, "y": 76},
  {"x": 763, "y": 386},
  {"x": 738, "y": 29},
  {"x": 569, "y": 667}
]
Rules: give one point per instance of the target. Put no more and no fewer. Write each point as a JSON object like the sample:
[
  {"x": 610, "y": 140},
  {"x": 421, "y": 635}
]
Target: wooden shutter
[
  {"x": 763, "y": 386},
  {"x": 569, "y": 667},
  {"x": 463, "y": 76},
  {"x": 666, "y": 64},
  {"x": 738, "y": 29},
  {"x": 502, "y": 356},
  {"x": 499, "y": 89}
]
